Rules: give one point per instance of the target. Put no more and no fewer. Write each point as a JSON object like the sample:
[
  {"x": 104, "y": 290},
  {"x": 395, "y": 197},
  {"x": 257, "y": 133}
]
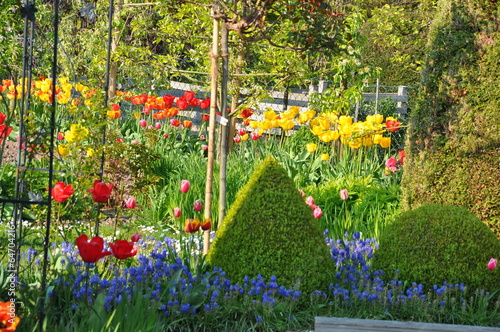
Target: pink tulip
[
  {"x": 136, "y": 141},
  {"x": 202, "y": 137},
  {"x": 158, "y": 125},
  {"x": 143, "y": 123},
  {"x": 150, "y": 127},
  {"x": 177, "y": 212},
  {"x": 165, "y": 135},
  {"x": 492, "y": 264},
  {"x": 237, "y": 139},
  {"x": 130, "y": 202},
  {"x": 197, "y": 206},
  {"x": 310, "y": 200},
  {"x": 344, "y": 194},
  {"x": 136, "y": 237},
  {"x": 185, "y": 185},
  {"x": 317, "y": 213},
  {"x": 302, "y": 193},
  {"x": 205, "y": 147}
]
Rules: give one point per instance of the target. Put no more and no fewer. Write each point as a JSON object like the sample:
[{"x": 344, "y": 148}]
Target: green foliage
[
  {"x": 453, "y": 142},
  {"x": 439, "y": 243},
  {"x": 269, "y": 230}
]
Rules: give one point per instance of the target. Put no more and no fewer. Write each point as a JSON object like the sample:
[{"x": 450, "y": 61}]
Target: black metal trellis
[{"x": 20, "y": 198}]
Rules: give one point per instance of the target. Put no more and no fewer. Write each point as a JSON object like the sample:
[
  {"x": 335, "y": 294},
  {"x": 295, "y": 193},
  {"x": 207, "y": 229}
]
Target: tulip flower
[
  {"x": 187, "y": 123},
  {"x": 391, "y": 164},
  {"x": 392, "y": 124},
  {"x": 101, "y": 191},
  {"x": 241, "y": 131},
  {"x": 204, "y": 104},
  {"x": 2, "y": 117},
  {"x": 165, "y": 135},
  {"x": 309, "y": 200},
  {"x": 197, "y": 206},
  {"x": 205, "y": 117},
  {"x": 325, "y": 156},
  {"x": 206, "y": 224},
  {"x": 61, "y": 192},
  {"x": 130, "y": 202},
  {"x": 302, "y": 193},
  {"x": 192, "y": 225},
  {"x": 60, "y": 135},
  {"x": 401, "y": 157},
  {"x": 492, "y": 264},
  {"x": 205, "y": 147},
  {"x": 317, "y": 213},
  {"x": 202, "y": 137},
  {"x": 177, "y": 212},
  {"x": 254, "y": 136},
  {"x": 311, "y": 147},
  {"x": 237, "y": 139},
  {"x": 120, "y": 140},
  {"x": 8, "y": 319},
  {"x": 143, "y": 123},
  {"x": 158, "y": 125},
  {"x": 91, "y": 251},
  {"x": 123, "y": 249},
  {"x": 185, "y": 185},
  {"x": 344, "y": 194},
  {"x": 175, "y": 122},
  {"x": 136, "y": 237},
  {"x": 246, "y": 113}
]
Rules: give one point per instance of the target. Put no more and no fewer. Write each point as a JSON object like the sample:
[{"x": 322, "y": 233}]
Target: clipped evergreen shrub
[
  {"x": 439, "y": 243},
  {"x": 453, "y": 146},
  {"x": 269, "y": 230}
]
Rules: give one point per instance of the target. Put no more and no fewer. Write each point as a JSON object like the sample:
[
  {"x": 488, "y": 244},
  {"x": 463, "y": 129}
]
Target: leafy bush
[
  {"x": 269, "y": 230},
  {"x": 439, "y": 243}
]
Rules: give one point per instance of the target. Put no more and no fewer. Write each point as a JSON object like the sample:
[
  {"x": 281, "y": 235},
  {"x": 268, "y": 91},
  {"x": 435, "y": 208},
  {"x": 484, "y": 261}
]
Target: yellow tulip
[
  {"x": 270, "y": 115},
  {"x": 316, "y": 130},
  {"x": 356, "y": 143},
  {"x": 266, "y": 124},
  {"x": 254, "y": 124},
  {"x": 286, "y": 124},
  {"x": 377, "y": 138},
  {"x": 325, "y": 156},
  {"x": 375, "y": 118},
  {"x": 294, "y": 110},
  {"x": 63, "y": 149},
  {"x": 345, "y": 120},
  {"x": 367, "y": 141},
  {"x": 306, "y": 116},
  {"x": 90, "y": 152},
  {"x": 244, "y": 137},
  {"x": 385, "y": 142},
  {"x": 87, "y": 102},
  {"x": 311, "y": 147},
  {"x": 324, "y": 137}
]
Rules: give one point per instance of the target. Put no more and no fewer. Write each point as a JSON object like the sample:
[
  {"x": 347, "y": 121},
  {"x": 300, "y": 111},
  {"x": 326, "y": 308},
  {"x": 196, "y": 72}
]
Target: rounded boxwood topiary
[
  {"x": 269, "y": 230},
  {"x": 439, "y": 243}
]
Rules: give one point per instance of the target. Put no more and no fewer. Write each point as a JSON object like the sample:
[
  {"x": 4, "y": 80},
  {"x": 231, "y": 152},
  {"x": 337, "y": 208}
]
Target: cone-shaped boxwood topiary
[
  {"x": 439, "y": 243},
  {"x": 269, "y": 230}
]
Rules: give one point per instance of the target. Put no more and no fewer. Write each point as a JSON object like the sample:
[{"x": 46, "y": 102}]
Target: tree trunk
[{"x": 211, "y": 129}]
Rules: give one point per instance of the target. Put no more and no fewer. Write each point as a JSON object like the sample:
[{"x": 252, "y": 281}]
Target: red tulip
[
  {"x": 237, "y": 139},
  {"x": 197, "y": 206},
  {"x": 60, "y": 135},
  {"x": 205, "y": 117},
  {"x": 255, "y": 136},
  {"x": 177, "y": 212},
  {"x": 5, "y": 131},
  {"x": 246, "y": 113},
  {"x": 192, "y": 225},
  {"x": 91, "y": 251},
  {"x": 101, "y": 191},
  {"x": 165, "y": 135},
  {"x": 194, "y": 102},
  {"x": 242, "y": 131},
  {"x": 123, "y": 249},
  {"x": 182, "y": 103},
  {"x": 2, "y": 117},
  {"x": 175, "y": 122},
  {"x": 205, "y": 104},
  {"x": 206, "y": 224},
  {"x": 185, "y": 185},
  {"x": 130, "y": 202},
  {"x": 136, "y": 237},
  {"x": 189, "y": 95},
  {"x": 169, "y": 100},
  {"x": 61, "y": 192},
  {"x": 143, "y": 123},
  {"x": 401, "y": 156},
  {"x": 392, "y": 125}
]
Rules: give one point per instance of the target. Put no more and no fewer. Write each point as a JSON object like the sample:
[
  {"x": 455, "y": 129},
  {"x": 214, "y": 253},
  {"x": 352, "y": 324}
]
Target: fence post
[
  {"x": 401, "y": 106},
  {"x": 322, "y": 86}
]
